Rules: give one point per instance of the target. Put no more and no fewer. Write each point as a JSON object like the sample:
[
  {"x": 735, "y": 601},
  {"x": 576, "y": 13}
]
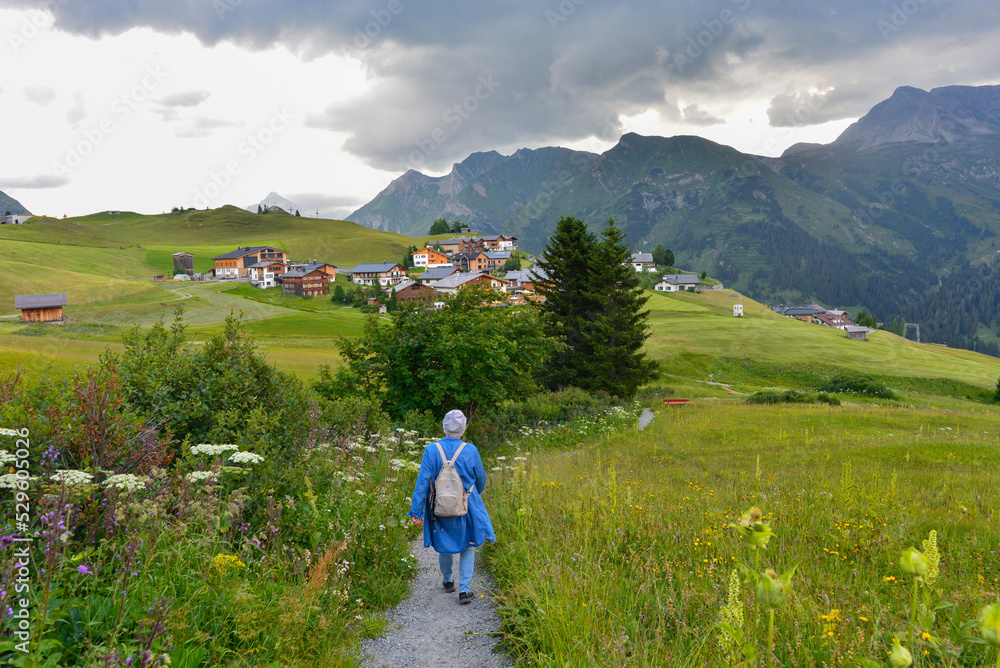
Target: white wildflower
[
  {"x": 212, "y": 450},
  {"x": 501, "y": 459},
  {"x": 72, "y": 477},
  {"x": 198, "y": 476},
  {"x": 10, "y": 480},
  {"x": 496, "y": 468},
  {"x": 246, "y": 458},
  {"x": 9, "y": 432},
  {"x": 359, "y": 492},
  {"x": 6, "y": 457},
  {"x": 127, "y": 481}
]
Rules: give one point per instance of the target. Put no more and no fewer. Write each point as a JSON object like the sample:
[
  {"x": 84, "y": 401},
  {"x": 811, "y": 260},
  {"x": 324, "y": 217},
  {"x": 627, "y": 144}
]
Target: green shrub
[
  {"x": 825, "y": 398},
  {"x": 775, "y": 397},
  {"x": 853, "y": 383}
]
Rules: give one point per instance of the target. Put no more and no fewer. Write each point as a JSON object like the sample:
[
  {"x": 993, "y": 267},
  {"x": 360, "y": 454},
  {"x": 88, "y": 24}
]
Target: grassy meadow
[{"x": 617, "y": 550}]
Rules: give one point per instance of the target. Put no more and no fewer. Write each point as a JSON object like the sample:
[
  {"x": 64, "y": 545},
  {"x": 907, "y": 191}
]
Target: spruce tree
[
  {"x": 617, "y": 364},
  {"x": 569, "y": 301}
]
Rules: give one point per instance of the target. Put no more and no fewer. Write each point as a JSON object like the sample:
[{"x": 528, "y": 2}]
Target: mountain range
[
  {"x": 903, "y": 201},
  {"x": 274, "y": 199},
  {"x": 8, "y": 203}
]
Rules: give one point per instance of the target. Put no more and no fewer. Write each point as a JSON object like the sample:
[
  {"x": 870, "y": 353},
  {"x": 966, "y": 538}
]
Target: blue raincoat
[{"x": 451, "y": 535}]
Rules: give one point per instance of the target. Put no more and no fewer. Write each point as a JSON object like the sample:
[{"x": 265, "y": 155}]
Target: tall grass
[{"x": 616, "y": 549}]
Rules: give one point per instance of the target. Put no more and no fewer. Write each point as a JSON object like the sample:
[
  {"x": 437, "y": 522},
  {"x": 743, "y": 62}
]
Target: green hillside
[{"x": 107, "y": 259}]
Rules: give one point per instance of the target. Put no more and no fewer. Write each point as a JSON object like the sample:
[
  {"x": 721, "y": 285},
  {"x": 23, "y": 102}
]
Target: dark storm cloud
[{"x": 563, "y": 70}]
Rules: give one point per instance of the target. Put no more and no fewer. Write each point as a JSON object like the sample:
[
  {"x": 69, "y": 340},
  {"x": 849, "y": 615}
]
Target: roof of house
[
  {"x": 455, "y": 240},
  {"x": 299, "y": 272},
  {"x": 373, "y": 267},
  {"x": 183, "y": 253},
  {"x": 498, "y": 255},
  {"x": 854, "y": 329},
  {"x": 490, "y": 237},
  {"x": 681, "y": 279},
  {"x": 470, "y": 256},
  {"x": 437, "y": 273},
  {"x": 40, "y": 301},
  {"x": 265, "y": 263},
  {"x": 240, "y": 252},
  {"x": 403, "y": 285},
  {"x": 646, "y": 258},
  {"x": 459, "y": 279},
  {"x": 800, "y": 310}
]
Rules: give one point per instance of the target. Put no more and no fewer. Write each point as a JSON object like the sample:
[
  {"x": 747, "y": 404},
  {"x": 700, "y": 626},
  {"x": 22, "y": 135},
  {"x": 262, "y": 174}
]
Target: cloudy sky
[{"x": 147, "y": 104}]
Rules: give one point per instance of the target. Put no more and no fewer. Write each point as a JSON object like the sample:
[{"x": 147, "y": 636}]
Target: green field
[{"x": 617, "y": 548}]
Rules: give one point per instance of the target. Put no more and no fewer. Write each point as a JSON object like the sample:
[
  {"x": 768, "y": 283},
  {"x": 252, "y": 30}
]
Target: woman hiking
[{"x": 460, "y": 534}]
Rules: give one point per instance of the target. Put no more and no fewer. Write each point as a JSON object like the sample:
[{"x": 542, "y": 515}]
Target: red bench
[{"x": 676, "y": 402}]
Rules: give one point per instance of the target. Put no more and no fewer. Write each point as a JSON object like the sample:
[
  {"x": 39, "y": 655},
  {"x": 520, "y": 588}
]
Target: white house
[
  {"x": 677, "y": 282},
  {"x": 16, "y": 219},
  {"x": 383, "y": 273},
  {"x": 430, "y": 258},
  {"x": 263, "y": 274},
  {"x": 643, "y": 262}
]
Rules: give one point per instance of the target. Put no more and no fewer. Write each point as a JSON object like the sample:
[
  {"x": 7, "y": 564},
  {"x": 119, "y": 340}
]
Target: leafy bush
[
  {"x": 825, "y": 398},
  {"x": 851, "y": 383},
  {"x": 492, "y": 427},
  {"x": 775, "y": 397}
]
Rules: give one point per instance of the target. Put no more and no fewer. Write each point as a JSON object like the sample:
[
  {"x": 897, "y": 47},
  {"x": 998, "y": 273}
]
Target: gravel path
[
  {"x": 645, "y": 418},
  {"x": 430, "y": 628}
]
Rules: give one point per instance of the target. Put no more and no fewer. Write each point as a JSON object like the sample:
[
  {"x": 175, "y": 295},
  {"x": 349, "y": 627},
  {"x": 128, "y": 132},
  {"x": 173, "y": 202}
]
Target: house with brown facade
[
  {"x": 475, "y": 261},
  {"x": 311, "y": 280},
  {"x": 436, "y": 274},
  {"x": 410, "y": 290},
  {"x": 41, "y": 308},
  {"x": 459, "y": 281},
  {"x": 237, "y": 263}
]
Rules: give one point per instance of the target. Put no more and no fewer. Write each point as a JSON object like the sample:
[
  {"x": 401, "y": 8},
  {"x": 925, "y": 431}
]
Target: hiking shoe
[
  {"x": 449, "y": 587},
  {"x": 465, "y": 597}
]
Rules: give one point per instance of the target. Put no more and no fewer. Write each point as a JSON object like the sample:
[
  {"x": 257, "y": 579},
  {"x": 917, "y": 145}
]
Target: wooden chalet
[
  {"x": 184, "y": 263},
  {"x": 312, "y": 280},
  {"x": 410, "y": 290},
  {"x": 475, "y": 261},
  {"x": 381, "y": 273},
  {"x": 41, "y": 308}
]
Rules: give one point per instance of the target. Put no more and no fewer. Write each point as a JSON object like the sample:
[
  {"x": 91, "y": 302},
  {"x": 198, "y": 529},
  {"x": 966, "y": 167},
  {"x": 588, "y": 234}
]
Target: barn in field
[{"x": 41, "y": 308}]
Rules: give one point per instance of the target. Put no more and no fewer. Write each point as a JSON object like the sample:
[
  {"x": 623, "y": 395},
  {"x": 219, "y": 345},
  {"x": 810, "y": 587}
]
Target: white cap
[{"x": 454, "y": 423}]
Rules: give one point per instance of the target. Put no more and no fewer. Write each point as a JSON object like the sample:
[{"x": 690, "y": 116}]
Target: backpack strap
[{"x": 453, "y": 459}]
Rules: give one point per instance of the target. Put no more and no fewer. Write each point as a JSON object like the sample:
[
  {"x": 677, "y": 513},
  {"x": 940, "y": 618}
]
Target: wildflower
[
  {"x": 212, "y": 450},
  {"x": 752, "y": 527},
  {"x": 9, "y": 432},
  {"x": 127, "y": 481},
  {"x": 914, "y": 562},
  {"x": 83, "y": 570},
  {"x": 6, "y": 457},
  {"x": 198, "y": 476},
  {"x": 227, "y": 563},
  {"x": 10, "y": 481},
  {"x": 899, "y": 657},
  {"x": 732, "y": 615},
  {"x": 71, "y": 477},
  {"x": 245, "y": 458},
  {"x": 359, "y": 492},
  {"x": 933, "y": 558}
]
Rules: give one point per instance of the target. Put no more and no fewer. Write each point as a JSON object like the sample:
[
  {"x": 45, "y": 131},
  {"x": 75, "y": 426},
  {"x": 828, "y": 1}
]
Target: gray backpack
[{"x": 451, "y": 499}]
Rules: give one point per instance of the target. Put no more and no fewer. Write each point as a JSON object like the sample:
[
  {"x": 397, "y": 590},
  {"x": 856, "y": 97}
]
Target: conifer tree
[
  {"x": 618, "y": 364},
  {"x": 569, "y": 301}
]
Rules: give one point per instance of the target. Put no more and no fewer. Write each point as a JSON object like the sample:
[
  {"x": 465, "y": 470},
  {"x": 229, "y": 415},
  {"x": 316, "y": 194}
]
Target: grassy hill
[{"x": 106, "y": 259}]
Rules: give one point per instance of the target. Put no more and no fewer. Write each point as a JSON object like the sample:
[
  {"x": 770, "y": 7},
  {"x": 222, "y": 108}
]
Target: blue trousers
[{"x": 466, "y": 565}]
